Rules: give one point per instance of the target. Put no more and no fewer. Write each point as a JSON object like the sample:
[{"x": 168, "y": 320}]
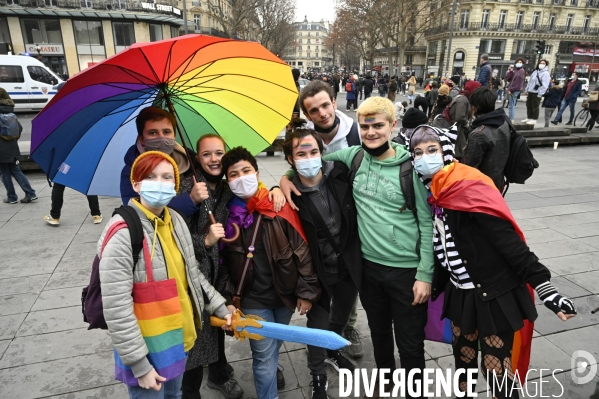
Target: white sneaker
[
  {"x": 525, "y": 120},
  {"x": 531, "y": 122},
  {"x": 50, "y": 220}
]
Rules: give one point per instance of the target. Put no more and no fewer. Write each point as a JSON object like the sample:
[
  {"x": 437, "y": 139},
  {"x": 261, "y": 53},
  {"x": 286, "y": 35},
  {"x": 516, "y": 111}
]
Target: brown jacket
[{"x": 290, "y": 262}]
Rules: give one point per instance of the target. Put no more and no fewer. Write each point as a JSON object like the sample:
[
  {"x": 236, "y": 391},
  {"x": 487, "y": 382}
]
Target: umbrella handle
[{"x": 226, "y": 240}]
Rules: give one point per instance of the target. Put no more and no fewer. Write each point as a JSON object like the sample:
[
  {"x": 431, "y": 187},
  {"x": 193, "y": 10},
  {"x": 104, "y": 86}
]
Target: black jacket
[
  {"x": 368, "y": 85},
  {"x": 493, "y": 253},
  {"x": 552, "y": 97},
  {"x": 339, "y": 183},
  {"x": 9, "y": 149},
  {"x": 488, "y": 145}
]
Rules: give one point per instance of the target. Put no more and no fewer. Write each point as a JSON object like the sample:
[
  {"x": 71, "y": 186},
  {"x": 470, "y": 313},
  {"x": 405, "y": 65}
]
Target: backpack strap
[
  {"x": 135, "y": 230},
  {"x": 353, "y": 137},
  {"x": 355, "y": 165}
]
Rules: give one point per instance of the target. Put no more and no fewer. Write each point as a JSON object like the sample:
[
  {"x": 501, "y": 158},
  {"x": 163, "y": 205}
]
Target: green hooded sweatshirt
[{"x": 387, "y": 236}]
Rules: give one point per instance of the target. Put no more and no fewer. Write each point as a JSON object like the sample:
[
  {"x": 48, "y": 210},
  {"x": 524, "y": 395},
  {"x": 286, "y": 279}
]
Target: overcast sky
[{"x": 315, "y": 10}]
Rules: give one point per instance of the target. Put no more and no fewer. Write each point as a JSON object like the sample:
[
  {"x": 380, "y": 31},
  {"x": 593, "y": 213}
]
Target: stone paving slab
[
  {"x": 117, "y": 390},
  {"x": 571, "y": 264},
  {"x": 54, "y": 346},
  {"x": 58, "y": 376},
  {"x": 58, "y": 298},
  {"x": 15, "y": 304},
  {"x": 52, "y": 320},
  {"x": 579, "y": 231},
  {"x": 10, "y": 324},
  {"x": 549, "y": 323},
  {"x": 23, "y": 285}
]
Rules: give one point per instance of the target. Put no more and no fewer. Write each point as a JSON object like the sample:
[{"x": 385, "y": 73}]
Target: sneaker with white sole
[
  {"x": 27, "y": 199},
  {"x": 97, "y": 219},
  {"x": 319, "y": 387},
  {"x": 9, "y": 201},
  {"x": 50, "y": 220},
  {"x": 338, "y": 361},
  {"x": 531, "y": 122},
  {"x": 524, "y": 120}
]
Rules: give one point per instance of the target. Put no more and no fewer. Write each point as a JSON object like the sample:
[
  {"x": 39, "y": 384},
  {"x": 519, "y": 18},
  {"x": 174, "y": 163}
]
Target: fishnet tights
[{"x": 496, "y": 353}]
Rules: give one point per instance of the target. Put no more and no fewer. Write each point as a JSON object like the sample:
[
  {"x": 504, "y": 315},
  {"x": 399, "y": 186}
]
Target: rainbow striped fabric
[
  {"x": 158, "y": 310},
  {"x": 462, "y": 188}
]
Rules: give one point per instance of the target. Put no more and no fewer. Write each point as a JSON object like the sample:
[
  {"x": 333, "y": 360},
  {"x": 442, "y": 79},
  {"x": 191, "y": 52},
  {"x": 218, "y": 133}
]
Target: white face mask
[{"x": 245, "y": 187}]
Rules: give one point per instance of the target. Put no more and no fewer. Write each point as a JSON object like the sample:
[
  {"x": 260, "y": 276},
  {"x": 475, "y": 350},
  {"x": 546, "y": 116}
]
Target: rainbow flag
[
  {"x": 158, "y": 310},
  {"x": 462, "y": 188}
]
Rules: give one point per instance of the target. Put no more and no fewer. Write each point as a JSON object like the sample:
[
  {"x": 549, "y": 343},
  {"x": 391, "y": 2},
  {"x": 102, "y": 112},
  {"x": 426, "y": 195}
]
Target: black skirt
[{"x": 507, "y": 312}]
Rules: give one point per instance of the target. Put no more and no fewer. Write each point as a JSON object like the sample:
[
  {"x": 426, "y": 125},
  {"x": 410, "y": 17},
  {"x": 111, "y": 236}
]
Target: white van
[{"x": 28, "y": 81}]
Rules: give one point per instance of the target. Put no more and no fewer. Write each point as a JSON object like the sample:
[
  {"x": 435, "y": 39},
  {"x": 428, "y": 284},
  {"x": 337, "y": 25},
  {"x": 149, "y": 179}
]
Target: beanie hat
[
  {"x": 166, "y": 158},
  {"x": 414, "y": 117},
  {"x": 5, "y": 98},
  {"x": 455, "y": 79},
  {"x": 444, "y": 90}
]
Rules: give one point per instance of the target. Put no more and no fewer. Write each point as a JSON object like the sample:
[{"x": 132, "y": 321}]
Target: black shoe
[
  {"x": 28, "y": 199},
  {"x": 230, "y": 370},
  {"x": 569, "y": 124},
  {"x": 338, "y": 361},
  {"x": 9, "y": 201},
  {"x": 555, "y": 122},
  {"x": 280, "y": 377},
  {"x": 319, "y": 387},
  {"x": 230, "y": 389}
]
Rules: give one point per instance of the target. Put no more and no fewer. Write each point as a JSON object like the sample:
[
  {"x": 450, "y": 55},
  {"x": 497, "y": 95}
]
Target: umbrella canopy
[{"x": 238, "y": 90}]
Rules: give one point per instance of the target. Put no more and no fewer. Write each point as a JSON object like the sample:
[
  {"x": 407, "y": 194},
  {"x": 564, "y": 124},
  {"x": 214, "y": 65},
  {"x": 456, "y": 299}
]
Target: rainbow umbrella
[{"x": 238, "y": 90}]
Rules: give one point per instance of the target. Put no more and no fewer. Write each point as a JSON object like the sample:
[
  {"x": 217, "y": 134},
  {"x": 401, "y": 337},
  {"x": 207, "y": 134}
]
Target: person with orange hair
[{"x": 169, "y": 248}]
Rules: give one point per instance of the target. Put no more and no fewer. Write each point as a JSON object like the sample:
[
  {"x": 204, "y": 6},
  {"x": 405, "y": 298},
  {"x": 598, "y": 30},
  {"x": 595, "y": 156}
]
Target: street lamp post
[{"x": 453, "y": 12}]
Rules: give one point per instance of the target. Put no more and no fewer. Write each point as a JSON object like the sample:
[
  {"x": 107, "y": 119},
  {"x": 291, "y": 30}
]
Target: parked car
[{"x": 303, "y": 82}]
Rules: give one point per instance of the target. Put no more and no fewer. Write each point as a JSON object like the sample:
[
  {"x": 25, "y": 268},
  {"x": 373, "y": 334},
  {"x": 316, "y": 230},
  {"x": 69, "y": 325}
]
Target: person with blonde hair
[
  {"x": 411, "y": 88},
  {"x": 395, "y": 237}
]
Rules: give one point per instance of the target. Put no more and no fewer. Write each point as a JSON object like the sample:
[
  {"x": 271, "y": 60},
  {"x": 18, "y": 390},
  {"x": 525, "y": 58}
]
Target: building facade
[
  {"x": 69, "y": 36},
  {"x": 309, "y": 53},
  {"x": 510, "y": 29}
]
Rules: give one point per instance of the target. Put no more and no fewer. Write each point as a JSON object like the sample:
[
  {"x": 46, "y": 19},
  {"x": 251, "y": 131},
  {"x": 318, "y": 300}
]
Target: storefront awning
[
  {"x": 584, "y": 67},
  {"x": 60, "y": 13}
]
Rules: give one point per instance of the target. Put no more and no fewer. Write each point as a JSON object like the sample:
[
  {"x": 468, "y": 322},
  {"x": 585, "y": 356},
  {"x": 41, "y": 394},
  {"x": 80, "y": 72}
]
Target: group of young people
[{"x": 362, "y": 214}]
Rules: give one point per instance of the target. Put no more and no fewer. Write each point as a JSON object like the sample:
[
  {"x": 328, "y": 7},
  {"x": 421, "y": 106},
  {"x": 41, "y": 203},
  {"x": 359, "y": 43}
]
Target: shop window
[
  {"x": 89, "y": 38},
  {"x": 174, "y": 32},
  {"x": 155, "y": 32},
  {"x": 41, "y": 31},
  {"x": 124, "y": 35},
  {"x": 11, "y": 74},
  {"x": 88, "y": 32}
]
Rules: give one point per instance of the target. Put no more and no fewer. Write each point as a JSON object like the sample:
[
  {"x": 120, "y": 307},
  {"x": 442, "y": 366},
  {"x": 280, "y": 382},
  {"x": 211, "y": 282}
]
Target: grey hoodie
[{"x": 328, "y": 208}]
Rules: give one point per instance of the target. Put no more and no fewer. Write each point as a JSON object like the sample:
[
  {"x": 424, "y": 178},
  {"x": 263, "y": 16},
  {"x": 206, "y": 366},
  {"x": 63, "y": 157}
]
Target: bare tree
[
  {"x": 233, "y": 16},
  {"x": 274, "y": 25},
  {"x": 359, "y": 18}
]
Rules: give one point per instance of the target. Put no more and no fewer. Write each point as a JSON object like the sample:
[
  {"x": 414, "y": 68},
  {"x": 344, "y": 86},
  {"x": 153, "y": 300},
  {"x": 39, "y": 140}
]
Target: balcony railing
[
  {"x": 592, "y": 4},
  {"x": 496, "y": 27}
]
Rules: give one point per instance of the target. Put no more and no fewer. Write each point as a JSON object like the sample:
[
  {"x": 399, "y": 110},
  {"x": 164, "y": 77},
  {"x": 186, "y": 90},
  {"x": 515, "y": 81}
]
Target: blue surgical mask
[
  {"x": 519, "y": 65},
  {"x": 157, "y": 194},
  {"x": 428, "y": 166},
  {"x": 309, "y": 167}
]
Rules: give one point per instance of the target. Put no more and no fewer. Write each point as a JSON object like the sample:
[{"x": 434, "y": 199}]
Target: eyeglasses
[{"x": 430, "y": 151}]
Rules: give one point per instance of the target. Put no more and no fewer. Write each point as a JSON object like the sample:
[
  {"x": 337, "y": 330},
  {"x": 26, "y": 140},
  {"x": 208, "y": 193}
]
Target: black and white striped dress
[{"x": 444, "y": 245}]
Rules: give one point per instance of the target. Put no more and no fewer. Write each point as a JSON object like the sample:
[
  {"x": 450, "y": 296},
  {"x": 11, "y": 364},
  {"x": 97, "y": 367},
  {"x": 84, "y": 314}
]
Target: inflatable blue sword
[{"x": 253, "y": 327}]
